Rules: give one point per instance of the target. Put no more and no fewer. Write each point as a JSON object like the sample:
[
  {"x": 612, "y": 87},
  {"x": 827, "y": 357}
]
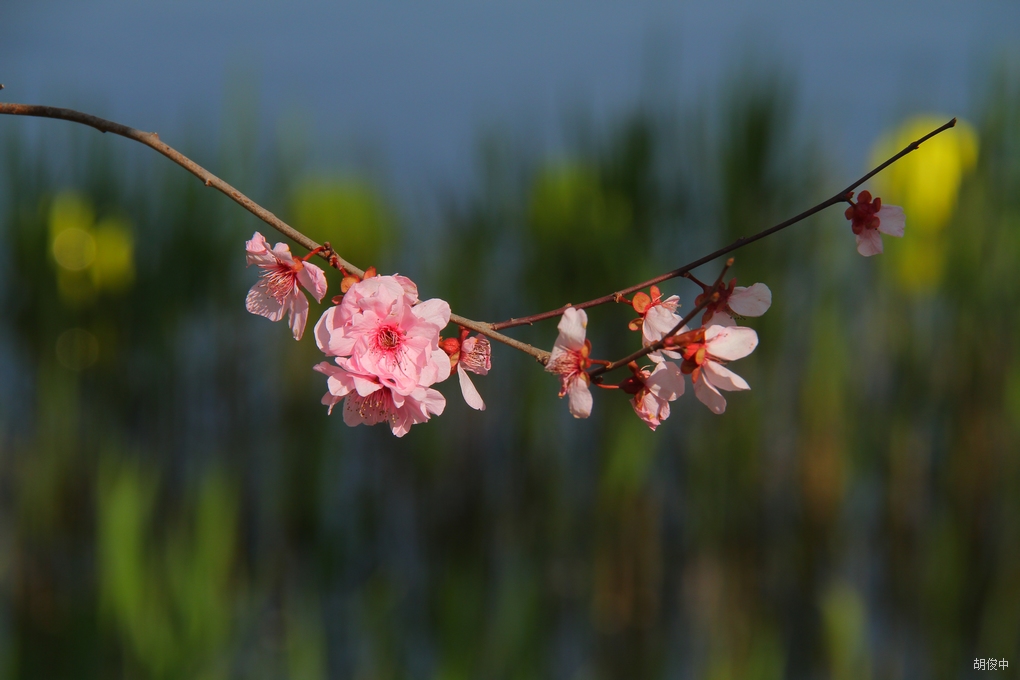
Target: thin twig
[
  {"x": 739, "y": 243},
  {"x": 326, "y": 252}
]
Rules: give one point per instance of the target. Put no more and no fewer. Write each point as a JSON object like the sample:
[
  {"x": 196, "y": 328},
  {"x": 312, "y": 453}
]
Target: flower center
[
  {"x": 389, "y": 338},
  {"x": 280, "y": 281}
]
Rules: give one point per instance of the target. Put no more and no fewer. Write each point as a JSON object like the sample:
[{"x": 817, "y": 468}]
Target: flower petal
[
  {"x": 892, "y": 221},
  {"x": 260, "y": 302},
  {"x": 434, "y": 311},
  {"x": 298, "y": 304},
  {"x": 467, "y": 388},
  {"x": 730, "y": 343},
  {"x": 572, "y": 328},
  {"x": 709, "y": 396},
  {"x": 666, "y": 381},
  {"x": 313, "y": 279},
  {"x": 869, "y": 242},
  {"x": 658, "y": 321},
  {"x": 722, "y": 377},
  {"x": 752, "y": 301},
  {"x": 579, "y": 397}
]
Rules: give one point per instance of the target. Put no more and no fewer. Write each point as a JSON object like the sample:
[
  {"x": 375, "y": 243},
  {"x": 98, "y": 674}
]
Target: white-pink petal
[
  {"x": 579, "y": 397},
  {"x": 730, "y": 343},
  {"x": 869, "y": 242},
  {"x": 892, "y": 221},
  {"x": 666, "y": 381},
  {"x": 722, "y": 377},
  {"x": 467, "y": 388},
  {"x": 659, "y": 320},
  {"x": 572, "y": 327},
  {"x": 708, "y": 395},
  {"x": 751, "y": 301}
]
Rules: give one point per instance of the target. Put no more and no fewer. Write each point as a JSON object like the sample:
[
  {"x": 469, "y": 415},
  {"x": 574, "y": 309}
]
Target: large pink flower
[
  {"x": 656, "y": 389},
  {"x": 868, "y": 218},
  {"x": 386, "y": 349},
  {"x": 278, "y": 290},
  {"x": 706, "y": 350},
  {"x": 569, "y": 360}
]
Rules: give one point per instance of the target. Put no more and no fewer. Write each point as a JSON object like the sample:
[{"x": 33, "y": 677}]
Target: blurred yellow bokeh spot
[
  {"x": 91, "y": 256},
  {"x": 114, "y": 267},
  {"x": 927, "y": 184}
]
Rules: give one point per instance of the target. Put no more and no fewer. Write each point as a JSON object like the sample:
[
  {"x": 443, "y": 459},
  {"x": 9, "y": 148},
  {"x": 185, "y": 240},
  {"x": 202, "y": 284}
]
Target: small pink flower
[
  {"x": 658, "y": 317},
  {"x": 569, "y": 360},
  {"x": 868, "y": 218},
  {"x": 705, "y": 351},
  {"x": 475, "y": 356},
  {"x": 387, "y": 355},
  {"x": 278, "y": 290},
  {"x": 737, "y": 301},
  {"x": 655, "y": 389}
]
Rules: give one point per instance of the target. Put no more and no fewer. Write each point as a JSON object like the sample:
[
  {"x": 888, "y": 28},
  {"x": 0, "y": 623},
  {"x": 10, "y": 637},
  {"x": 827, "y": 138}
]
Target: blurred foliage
[{"x": 176, "y": 503}]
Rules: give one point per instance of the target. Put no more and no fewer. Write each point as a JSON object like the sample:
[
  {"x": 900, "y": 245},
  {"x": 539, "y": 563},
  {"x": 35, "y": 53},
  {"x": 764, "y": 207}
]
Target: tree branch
[
  {"x": 739, "y": 243},
  {"x": 325, "y": 251}
]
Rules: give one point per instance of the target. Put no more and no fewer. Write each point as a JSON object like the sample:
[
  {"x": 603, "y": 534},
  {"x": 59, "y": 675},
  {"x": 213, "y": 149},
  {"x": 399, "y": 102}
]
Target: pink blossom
[
  {"x": 658, "y": 316},
  {"x": 569, "y": 360},
  {"x": 734, "y": 301},
  {"x": 475, "y": 356},
  {"x": 278, "y": 290},
  {"x": 705, "y": 351},
  {"x": 369, "y": 403},
  {"x": 656, "y": 389},
  {"x": 868, "y": 218},
  {"x": 386, "y": 348}
]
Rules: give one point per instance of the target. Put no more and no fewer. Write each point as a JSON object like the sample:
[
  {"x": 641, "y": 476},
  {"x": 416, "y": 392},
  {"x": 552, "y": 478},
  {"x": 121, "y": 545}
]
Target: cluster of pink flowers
[
  {"x": 387, "y": 352},
  {"x": 704, "y": 352}
]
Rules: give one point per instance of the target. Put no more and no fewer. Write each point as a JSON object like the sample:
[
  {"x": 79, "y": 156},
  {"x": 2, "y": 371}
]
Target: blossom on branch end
[
  {"x": 278, "y": 290},
  {"x": 569, "y": 360},
  {"x": 705, "y": 350},
  {"x": 868, "y": 218}
]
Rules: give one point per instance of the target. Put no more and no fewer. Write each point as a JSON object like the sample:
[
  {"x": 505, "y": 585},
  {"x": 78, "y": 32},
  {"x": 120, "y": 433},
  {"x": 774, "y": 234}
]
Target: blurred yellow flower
[{"x": 927, "y": 184}]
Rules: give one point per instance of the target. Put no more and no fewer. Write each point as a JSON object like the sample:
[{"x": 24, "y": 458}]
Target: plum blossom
[
  {"x": 278, "y": 290},
  {"x": 653, "y": 390},
  {"x": 469, "y": 354},
  {"x": 868, "y": 218},
  {"x": 705, "y": 351},
  {"x": 569, "y": 360},
  {"x": 735, "y": 301},
  {"x": 475, "y": 356},
  {"x": 658, "y": 316},
  {"x": 385, "y": 346}
]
